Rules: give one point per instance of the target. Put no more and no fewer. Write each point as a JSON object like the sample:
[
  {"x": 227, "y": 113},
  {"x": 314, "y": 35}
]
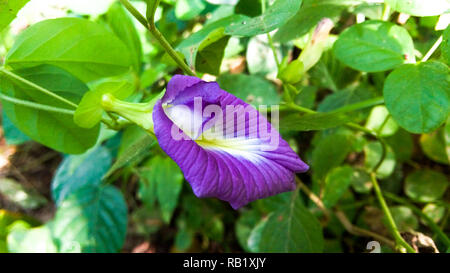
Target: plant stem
[
  {"x": 37, "y": 87},
  {"x": 37, "y": 106},
  {"x": 427, "y": 219},
  {"x": 136, "y": 14},
  {"x": 150, "y": 25},
  {"x": 390, "y": 220},
  {"x": 269, "y": 38},
  {"x": 432, "y": 49},
  {"x": 342, "y": 217},
  {"x": 350, "y": 125}
]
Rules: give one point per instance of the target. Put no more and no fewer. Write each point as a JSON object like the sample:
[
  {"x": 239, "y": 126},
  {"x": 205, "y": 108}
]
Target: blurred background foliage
[{"x": 125, "y": 195}]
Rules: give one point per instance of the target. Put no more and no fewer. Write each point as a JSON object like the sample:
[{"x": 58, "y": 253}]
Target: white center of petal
[{"x": 190, "y": 122}]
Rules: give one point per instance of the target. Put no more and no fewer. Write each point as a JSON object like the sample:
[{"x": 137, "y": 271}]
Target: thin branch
[
  {"x": 432, "y": 49},
  {"x": 390, "y": 220},
  {"x": 150, "y": 25},
  {"x": 343, "y": 218}
]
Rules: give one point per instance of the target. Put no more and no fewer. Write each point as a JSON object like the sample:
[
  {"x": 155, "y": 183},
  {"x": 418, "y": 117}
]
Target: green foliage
[
  {"x": 73, "y": 46},
  {"x": 91, "y": 219},
  {"x": 163, "y": 182},
  {"x": 291, "y": 228},
  {"x": 252, "y": 89},
  {"x": 418, "y": 96},
  {"x": 77, "y": 171},
  {"x": 52, "y": 129},
  {"x": 330, "y": 152},
  {"x": 9, "y": 10},
  {"x": 310, "y": 14},
  {"x": 89, "y": 112},
  {"x": 313, "y": 122},
  {"x": 336, "y": 183},
  {"x": 123, "y": 26},
  {"x": 13, "y": 135},
  {"x": 374, "y": 46},
  {"x": 366, "y": 105},
  {"x": 274, "y": 17},
  {"x": 425, "y": 185}
]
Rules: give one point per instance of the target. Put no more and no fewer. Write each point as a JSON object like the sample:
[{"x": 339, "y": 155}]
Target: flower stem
[
  {"x": 37, "y": 106},
  {"x": 432, "y": 49},
  {"x": 37, "y": 87},
  {"x": 422, "y": 215},
  {"x": 404, "y": 246},
  {"x": 150, "y": 25}
]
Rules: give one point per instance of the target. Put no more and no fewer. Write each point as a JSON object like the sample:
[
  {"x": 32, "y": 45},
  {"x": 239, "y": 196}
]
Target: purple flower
[{"x": 225, "y": 147}]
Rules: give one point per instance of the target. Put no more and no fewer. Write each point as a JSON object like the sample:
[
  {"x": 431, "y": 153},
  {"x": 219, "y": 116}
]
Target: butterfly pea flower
[{"x": 224, "y": 146}]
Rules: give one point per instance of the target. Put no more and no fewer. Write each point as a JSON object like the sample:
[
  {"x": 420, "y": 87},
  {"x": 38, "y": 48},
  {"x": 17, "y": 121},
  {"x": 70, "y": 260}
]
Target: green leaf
[
  {"x": 311, "y": 12},
  {"x": 425, "y": 185},
  {"x": 420, "y": 7},
  {"x": 402, "y": 144},
  {"x": 244, "y": 226},
  {"x": 183, "y": 239},
  {"x": 274, "y": 17},
  {"x": 374, "y": 46},
  {"x": 188, "y": 9},
  {"x": 313, "y": 122},
  {"x": 85, "y": 49},
  {"x": 434, "y": 147},
  {"x": 292, "y": 228},
  {"x": 447, "y": 138},
  {"x": 189, "y": 47},
  {"x": 17, "y": 193},
  {"x": 418, "y": 95},
  {"x": 123, "y": 26},
  {"x": 13, "y": 135},
  {"x": 77, "y": 171},
  {"x": 329, "y": 153},
  {"x": 57, "y": 131},
  {"x": 211, "y": 52},
  {"x": 337, "y": 182},
  {"x": 435, "y": 212},
  {"x": 446, "y": 45},
  {"x": 252, "y": 89},
  {"x": 164, "y": 176},
  {"x": 9, "y": 10},
  {"x": 251, "y": 8},
  {"x": 373, "y": 152},
  {"x": 381, "y": 122},
  {"x": 361, "y": 181},
  {"x": 292, "y": 73},
  {"x": 404, "y": 218},
  {"x": 93, "y": 218},
  {"x": 345, "y": 97},
  {"x": 139, "y": 147},
  {"x": 332, "y": 74},
  {"x": 33, "y": 240},
  {"x": 90, "y": 111}
]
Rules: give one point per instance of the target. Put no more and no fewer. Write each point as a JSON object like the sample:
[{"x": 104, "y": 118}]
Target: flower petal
[
  {"x": 238, "y": 165},
  {"x": 177, "y": 84}
]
